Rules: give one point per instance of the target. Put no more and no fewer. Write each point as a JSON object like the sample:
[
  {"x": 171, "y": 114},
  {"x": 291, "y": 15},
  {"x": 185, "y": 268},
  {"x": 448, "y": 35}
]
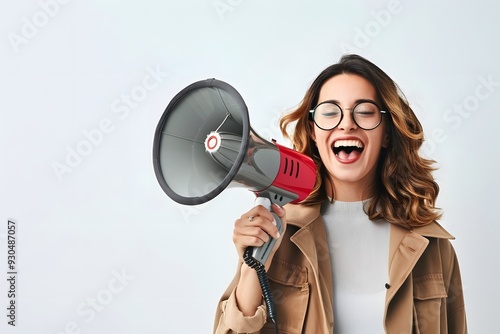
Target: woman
[{"x": 363, "y": 253}]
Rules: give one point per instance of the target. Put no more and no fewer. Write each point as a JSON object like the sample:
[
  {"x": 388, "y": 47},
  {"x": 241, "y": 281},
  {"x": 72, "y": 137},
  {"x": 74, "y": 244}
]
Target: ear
[{"x": 386, "y": 140}]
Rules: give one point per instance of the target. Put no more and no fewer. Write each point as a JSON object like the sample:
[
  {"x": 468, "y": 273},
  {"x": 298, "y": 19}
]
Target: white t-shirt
[{"x": 359, "y": 252}]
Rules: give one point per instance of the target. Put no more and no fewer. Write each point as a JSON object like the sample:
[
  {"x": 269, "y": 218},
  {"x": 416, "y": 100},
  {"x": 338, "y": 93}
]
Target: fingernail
[
  {"x": 278, "y": 235},
  {"x": 274, "y": 222}
]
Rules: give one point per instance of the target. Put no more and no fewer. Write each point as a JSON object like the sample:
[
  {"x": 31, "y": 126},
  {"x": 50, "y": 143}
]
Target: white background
[{"x": 102, "y": 249}]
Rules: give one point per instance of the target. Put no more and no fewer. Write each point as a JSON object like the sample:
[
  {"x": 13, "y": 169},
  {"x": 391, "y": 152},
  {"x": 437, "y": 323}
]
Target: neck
[{"x": 349, "y": 191}]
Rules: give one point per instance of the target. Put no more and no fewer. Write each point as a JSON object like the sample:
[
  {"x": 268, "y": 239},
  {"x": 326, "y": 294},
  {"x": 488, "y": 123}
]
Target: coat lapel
[
  {"x": 311, "y": 240},
  {"x": 405, "y": 249}
]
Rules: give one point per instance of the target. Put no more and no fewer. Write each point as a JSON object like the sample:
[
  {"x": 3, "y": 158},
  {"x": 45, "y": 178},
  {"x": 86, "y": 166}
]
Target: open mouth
[{"x": 348, "y": 149}]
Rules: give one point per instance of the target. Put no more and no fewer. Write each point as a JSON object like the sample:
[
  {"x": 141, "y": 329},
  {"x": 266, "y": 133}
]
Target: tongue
[{"x": 343, "y": 155}]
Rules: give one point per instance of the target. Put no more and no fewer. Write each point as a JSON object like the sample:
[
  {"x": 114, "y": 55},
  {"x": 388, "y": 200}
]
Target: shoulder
[
  {"x": 439, "y": 255},
  {"x": 439, "y": 248},
  {"x": 433, "y": 230}
]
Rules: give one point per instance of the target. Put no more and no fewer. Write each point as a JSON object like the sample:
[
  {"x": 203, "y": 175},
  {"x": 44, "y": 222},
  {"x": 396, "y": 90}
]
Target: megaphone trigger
[{"x": 264, "y": 201}]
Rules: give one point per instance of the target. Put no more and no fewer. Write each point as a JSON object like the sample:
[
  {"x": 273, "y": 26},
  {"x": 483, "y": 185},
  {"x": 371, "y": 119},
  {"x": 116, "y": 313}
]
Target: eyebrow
[{"x": 355, "y": 102}]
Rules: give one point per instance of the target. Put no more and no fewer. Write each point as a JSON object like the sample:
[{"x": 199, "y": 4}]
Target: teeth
[{"x": 348, "y": 143}]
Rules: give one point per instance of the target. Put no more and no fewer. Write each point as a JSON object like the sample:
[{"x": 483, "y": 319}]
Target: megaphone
[{"x": 204, "y": 143}]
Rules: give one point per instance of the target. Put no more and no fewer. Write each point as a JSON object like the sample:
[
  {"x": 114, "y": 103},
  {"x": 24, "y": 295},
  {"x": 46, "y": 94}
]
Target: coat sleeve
[
  {"x": 455, "y": 305},
  {"x": 229, "y": 319}
]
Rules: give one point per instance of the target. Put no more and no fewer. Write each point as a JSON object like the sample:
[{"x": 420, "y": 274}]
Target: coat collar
[{"x": 301, "y": 215}]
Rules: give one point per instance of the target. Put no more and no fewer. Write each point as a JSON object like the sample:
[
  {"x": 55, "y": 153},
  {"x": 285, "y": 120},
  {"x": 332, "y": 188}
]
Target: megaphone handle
[
  {"x": 262, "y": 253},
  {"x": 255, "y": 257}
]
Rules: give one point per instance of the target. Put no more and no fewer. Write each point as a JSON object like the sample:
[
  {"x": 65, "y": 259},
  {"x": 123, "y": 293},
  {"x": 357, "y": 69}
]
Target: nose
[{"x": 347, "y": 122}]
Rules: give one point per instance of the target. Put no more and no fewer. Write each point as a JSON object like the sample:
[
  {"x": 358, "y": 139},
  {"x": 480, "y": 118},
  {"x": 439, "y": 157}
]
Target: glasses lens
[
  {"x": 367, "y": 115},
  {"x": 327, "y": 115}
]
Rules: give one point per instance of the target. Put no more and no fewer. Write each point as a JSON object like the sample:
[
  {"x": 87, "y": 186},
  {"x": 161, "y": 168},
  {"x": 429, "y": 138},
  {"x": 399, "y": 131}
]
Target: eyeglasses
[{"x": 366, "y": 114}]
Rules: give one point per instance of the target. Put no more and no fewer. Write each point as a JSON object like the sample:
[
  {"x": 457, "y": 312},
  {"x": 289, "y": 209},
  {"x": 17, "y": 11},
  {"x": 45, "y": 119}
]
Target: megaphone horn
[{"x": 203, "y": 143}]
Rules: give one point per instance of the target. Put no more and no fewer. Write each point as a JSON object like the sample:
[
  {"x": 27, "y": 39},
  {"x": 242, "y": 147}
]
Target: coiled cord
[{"x": 264, "y": 285}]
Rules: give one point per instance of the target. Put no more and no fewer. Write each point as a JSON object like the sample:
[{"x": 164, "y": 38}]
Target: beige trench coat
[{"x": 424, "y": 292}]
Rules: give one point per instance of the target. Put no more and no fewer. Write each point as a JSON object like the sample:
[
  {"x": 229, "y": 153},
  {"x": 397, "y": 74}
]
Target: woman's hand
[{"x": 256, "y": 226}]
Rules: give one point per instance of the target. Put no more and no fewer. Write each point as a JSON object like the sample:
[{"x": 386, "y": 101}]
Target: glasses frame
[{"x": 312, "y": 111}]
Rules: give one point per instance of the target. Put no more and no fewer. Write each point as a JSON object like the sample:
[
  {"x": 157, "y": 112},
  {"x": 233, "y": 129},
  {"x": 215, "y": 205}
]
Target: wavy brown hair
[{"x": 405, "y": 190}]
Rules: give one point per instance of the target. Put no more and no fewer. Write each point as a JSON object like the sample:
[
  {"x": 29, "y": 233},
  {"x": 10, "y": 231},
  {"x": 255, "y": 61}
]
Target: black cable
[{"x": 264, "y": 285}]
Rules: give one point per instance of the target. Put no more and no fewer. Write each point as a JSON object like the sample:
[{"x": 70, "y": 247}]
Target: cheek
[
  {"x": 321, "y": 138},
  {"x": 376, "y": 147},
  {"x": 379, "y": 137}
]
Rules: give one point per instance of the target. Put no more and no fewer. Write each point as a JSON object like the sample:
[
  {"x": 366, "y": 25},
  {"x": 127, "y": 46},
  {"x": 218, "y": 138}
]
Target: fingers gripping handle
[
  {"x": 262, "y": 253},
  {"x": 258, "y": 258}
]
